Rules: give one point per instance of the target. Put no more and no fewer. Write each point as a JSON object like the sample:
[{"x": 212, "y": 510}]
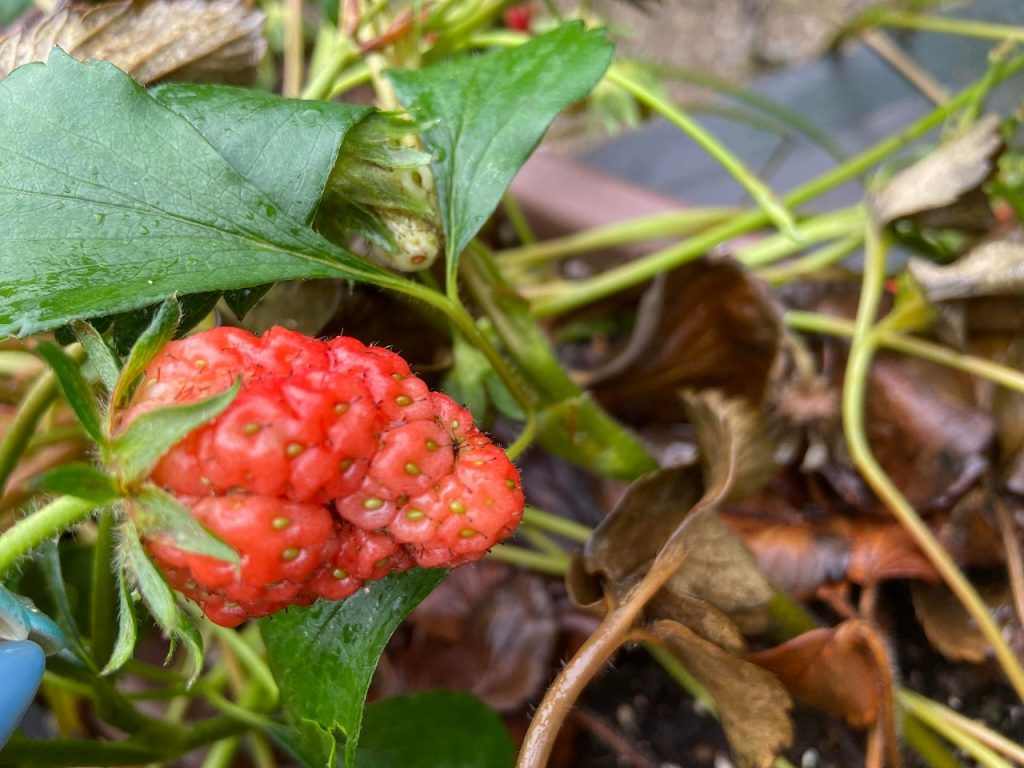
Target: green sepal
[
  {"x": 76, "y": 391},
  {"x": 79, "y": 479},
  {"x": 137, "y": 450},
  {"x": 127, "y": 627},
  {"x": 159, "y": 598},
  {"x": 156, "y": 512},
  {"x": 151, "y": 341},
  {"x": 102, "y": 356}
]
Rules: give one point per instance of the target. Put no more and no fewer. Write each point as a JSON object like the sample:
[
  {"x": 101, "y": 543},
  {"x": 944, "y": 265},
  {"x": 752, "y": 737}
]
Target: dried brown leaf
[
  {"x": 947, "y": 625},
  {"x": 992, "y": 268},
  {"x": 943, "y": 177},
  {"x": 752, "y": 704},
  {"x": 836, "y": 669},
  {"x": 189, "y": 40},
  {"x": 706, "y": 326},
  {"x": 488, "y": 630},
  {"x": 926, "y": 430}
]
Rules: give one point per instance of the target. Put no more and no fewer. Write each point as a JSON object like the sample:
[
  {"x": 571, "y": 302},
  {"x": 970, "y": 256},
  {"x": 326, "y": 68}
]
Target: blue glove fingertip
[{"x": 21, "y": 670}]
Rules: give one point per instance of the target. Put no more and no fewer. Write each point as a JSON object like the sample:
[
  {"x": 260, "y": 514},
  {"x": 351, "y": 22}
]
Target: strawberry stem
[{"x": 29, "y": 532}]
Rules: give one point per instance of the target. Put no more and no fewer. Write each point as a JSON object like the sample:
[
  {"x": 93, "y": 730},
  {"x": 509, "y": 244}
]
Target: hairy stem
[{"x": 48, "y": 522}]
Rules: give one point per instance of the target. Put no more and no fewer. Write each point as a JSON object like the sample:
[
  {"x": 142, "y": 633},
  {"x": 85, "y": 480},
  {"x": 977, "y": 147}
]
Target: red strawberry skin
[{"x": 333, "y": 465}]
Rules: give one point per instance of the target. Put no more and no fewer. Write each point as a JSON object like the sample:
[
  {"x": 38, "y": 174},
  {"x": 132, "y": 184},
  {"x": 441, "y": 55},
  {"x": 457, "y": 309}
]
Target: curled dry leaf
[
  {"x": 708, "y": 325},
  {"x": 992, "y": 268},
  {"x": 843, "y": 670},
  {"x": 943, "y": 177},
  {"x": 752, "y": 704},
  {"x": 186, "y": 40},
  {"x": 663, "y": 507},
  {"x": 487, "y": 630}
]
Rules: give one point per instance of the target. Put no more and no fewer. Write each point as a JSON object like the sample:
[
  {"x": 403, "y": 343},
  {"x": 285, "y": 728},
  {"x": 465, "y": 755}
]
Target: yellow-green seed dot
[
  {"x": 432, "y": 446},
  {"x": 402, "y": 499},
  {"x": 373, "y": 503},
  {"x": 467, "y": 533},
  {"x": 294, "y": 449},
  {"x": 411, "y": 468},
  {"x": 455, "y": 424},
  {"x": 397, "y": 376},
  {"x": 205, "y": 480},
  {"x": 478, "y": 463},
  {"x": 457, "y": 507},
  {"x": 510, "y": 483},
  {"x": 345, "y": 465},
  {"x": 381, "y": 563},
  {"x": 339, "y": 574},
  {"x": 340, "y": 408},
  {"x": 199, "y": 363},
  {"x": 488, "y": 502},
  {"x": 403, "y": 400},
  {"x": 252, "y": 428},
  {"x": 291, "y": 553},
  {"x": 280, "y": 523},
  {"x": 415, "y": 514}
]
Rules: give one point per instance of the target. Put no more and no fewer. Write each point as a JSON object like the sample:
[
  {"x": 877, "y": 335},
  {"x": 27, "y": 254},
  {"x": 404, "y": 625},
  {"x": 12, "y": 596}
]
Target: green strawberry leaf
[
  {"x": 323, "y": 656},
  {"x": 127, "y": 627},
  {"x": 138, "y": 449},
  {"x": 76, "y": 391},
  {"x": 486, "y": 114},
  {"x": 160, "y": 331},
  {"x": 264, "y": 136},
  {"x": 79, "y": 479},
  {"x": 154, "y": 511},
  {"x": 111, "y": 202},
  {"x": 158, "y": 597},
  {"x": 439, "y": 729},
  {"x": 103, "y": 358}
]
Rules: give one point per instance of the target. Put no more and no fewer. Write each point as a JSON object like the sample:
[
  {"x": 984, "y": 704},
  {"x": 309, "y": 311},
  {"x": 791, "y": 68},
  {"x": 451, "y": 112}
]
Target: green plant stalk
[
  {"x": 525, "y": 438},
  {"x": 560, "y": 526},
  {"x": 321, "y": 85},
  {"x": 827, "y": 226},
  {"x": 542, "y": 542},
  {"x": 774, "y": 209},
  {"x": 660, "y": 225},
  {"x": 862, "y": 349},
  {"x": 257, "y": 668},
  {"x": 514, "y": 211},
  {"x": 31, "y": 531},
  {"x": 962, "y": 27},
  {"x": 563, "y": 298},
  {"x": 527, "y": 558},
  {"x": 31, "y": 408},
  {"x": 103, "y": 624},
  {"x": 922, "y": 709},
  {"x": 933, "y": 711},
  {"x": 1003, "y": 375},
  {"x": 76, "y": 752},
  {"x": 822, "y": 258},
  {"x": 356, "y": 75},
  {"x": 931, "y": 749}
]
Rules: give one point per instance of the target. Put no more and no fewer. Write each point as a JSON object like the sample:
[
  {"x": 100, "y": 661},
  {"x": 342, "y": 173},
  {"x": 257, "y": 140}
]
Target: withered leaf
[
  {"x": 185, "y": 40},
  {"x": 752, "y": 704},
  {"x": 661, "y": 511},
  {"x": 947, "y": 625},
  {"x": 925, "y": 430},
  {"x": 943, "y": 177},
  {"x": 837, "y": 669},
  {"x": 487, "y": 630},
  {"x": 708, "y": 325},
  {"x": 992, "y": 268}
]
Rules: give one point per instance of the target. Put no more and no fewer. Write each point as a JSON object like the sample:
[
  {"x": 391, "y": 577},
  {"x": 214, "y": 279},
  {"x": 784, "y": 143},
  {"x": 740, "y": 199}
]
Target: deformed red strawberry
[{"x": 333, "y": 465}]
